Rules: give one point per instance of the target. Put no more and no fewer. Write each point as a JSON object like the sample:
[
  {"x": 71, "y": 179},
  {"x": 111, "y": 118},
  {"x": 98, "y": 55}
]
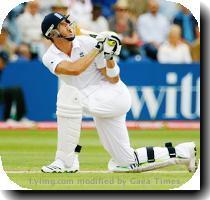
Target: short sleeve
[{"x": 51, "y": 61}]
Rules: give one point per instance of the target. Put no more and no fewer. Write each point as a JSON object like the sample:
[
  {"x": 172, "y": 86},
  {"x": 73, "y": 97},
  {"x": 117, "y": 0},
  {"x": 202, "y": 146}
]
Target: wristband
[{"x": 113, "y": 72}]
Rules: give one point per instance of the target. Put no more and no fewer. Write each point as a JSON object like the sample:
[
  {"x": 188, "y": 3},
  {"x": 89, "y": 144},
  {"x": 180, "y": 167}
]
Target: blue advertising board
[
  {"x": 163, "y": 92},
  {"x": 159, "y": 92},
  {"x": 39, "y": 87}
]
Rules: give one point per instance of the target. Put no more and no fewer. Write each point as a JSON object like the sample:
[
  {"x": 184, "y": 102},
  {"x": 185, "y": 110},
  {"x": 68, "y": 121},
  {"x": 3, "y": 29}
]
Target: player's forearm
[
  {"x": 111, "y": 64},
  {"x": 77, "y": 67},
  {"x": 86, "y": 61}
]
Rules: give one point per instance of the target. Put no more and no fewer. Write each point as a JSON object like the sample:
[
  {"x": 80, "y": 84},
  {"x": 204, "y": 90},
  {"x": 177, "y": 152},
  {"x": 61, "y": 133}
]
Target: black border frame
[{"x": 204, "y": 193}]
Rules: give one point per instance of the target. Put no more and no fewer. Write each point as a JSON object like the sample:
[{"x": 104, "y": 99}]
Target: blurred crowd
[
  {"x": 150, "y": 30},
  {"x": 155, "y": 30}
]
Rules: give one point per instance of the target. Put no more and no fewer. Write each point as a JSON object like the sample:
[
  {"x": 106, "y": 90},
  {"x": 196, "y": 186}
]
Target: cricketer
[{"x": 92, "y": 85}]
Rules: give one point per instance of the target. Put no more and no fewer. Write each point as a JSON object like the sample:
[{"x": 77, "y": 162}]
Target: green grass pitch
[{"x": 29, "y": 150}]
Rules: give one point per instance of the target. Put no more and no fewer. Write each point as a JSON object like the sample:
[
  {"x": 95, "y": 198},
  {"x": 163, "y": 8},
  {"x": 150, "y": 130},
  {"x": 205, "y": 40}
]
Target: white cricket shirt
[
  {"x": 174, "y": 55},
  {"x": 152, "y": 28},
  {"x": 88, "y": 80}
]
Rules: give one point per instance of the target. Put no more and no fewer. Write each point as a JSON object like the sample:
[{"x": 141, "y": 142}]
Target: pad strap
[
  {"x": 78, "y": 149},
  {"x": 171, "y": 149},
  {"x": 150, "y": 154}
]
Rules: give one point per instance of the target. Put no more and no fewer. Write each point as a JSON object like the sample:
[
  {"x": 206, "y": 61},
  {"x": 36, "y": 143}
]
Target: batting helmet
[{"x": 51, "y": 22}]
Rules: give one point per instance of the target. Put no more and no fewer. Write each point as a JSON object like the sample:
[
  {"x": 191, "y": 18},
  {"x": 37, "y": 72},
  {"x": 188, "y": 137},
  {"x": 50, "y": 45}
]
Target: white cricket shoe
[
  {"x": 113, "y": 167},
  {"x": 12, "y": 123},
  {"x": 187, "y": 151},
  {"x": 58, "y": 167},
  {"x": 27, "y": 123}
]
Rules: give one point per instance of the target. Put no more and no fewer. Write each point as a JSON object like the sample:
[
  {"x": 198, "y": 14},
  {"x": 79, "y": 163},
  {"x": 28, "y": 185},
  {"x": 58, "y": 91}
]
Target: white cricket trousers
[{"x": 108, "y": 105}]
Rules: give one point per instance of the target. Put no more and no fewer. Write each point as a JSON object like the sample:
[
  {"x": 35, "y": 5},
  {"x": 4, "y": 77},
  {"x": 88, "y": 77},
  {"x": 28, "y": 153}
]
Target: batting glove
[
  {"x": 100, "y": 45},
  {"x": 112, "y": 45}
]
